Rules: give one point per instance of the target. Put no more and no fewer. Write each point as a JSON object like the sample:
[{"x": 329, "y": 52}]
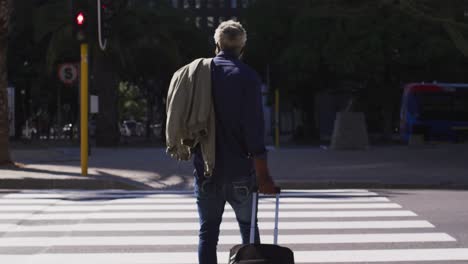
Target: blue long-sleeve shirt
[{"x": 240, "y": 128}]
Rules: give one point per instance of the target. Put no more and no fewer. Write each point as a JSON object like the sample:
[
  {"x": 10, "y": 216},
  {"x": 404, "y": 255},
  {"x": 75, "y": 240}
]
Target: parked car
[
  {"x": 129, "y": 128},
  {"x": 29, "y": 131},
  {"x": 67, "y": 130},
  {"x": 140, "y": 129},
  {"x": 92, "y": 128},
  {"x": 156, "y": 129},
  {"x": 123, "y": 130}
]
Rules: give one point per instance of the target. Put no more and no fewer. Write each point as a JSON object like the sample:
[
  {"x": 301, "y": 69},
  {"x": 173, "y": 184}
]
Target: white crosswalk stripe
[
  {"x": 225, "y": 240},
  {"x": 188, "y": 207},
  {"x": 321, "y": 226},
  {"x": 185, "y": 215},
  {"x": 326, "y": 256},
  {"x": 399, "y": 224},
  {"x": 185, "y": 200}
]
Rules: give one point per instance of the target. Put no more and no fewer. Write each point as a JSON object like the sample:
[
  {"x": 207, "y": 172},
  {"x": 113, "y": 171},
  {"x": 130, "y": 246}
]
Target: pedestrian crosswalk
[{"x": 128, "y": 227}]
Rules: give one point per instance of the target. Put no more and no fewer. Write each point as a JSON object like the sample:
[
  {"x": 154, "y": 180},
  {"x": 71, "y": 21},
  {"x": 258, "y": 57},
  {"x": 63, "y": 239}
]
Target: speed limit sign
[{"x": 68, "y": 73}]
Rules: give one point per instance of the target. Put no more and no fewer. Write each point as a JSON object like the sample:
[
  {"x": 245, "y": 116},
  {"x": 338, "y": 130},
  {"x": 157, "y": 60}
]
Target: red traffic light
[{"x": 80, "y": 18}]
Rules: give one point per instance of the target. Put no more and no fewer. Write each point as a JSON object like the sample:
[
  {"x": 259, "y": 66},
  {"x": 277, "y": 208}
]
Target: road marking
[
  {"x": 194, "y": 226},
  {"x": 162, "y": 195},
  {"x": 14, "y": 216},
  {"x": 326, "y": 191},
  {"x": 123, "y": 206},
  {"x": 343, "y": 256},
  {"x": 186, "y": 215},
  {"x": 325, "y": 194},
  {"x": 343, "y": 199},
  {"x": 326, "y": 256},
  {"x": 188, "y": 207},
  {"x": 184, "y": 200},
  {"x": 15, "y": 208},
  {"x": 68, "y": 194},
  {"x": 29, "y": 201},
  {"x": 35, "y": 196},
  {"x": 223, "y": 240}
]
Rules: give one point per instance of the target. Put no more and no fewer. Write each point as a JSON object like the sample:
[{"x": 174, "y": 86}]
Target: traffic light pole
[
  {"x": 84, "y": 109},
  {"x": 102, "y": 44}
]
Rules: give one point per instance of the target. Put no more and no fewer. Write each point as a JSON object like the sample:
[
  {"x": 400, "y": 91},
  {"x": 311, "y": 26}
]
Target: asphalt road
[
  {"x": 397, "y": 167},
  {"x": 446, "y": 209}
]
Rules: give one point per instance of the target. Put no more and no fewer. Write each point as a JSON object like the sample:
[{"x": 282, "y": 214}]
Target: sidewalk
[{"x": 437, "y": 166}]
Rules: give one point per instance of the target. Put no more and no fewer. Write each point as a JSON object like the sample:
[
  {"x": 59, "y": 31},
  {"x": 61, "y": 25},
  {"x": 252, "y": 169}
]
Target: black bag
[{"x": 261, "y": 253}]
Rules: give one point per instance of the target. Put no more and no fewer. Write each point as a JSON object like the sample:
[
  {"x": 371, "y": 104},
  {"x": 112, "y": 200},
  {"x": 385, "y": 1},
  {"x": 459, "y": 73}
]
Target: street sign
[
  {"x": 68, "y": 73},
  {"x": 94, "y": 106}
]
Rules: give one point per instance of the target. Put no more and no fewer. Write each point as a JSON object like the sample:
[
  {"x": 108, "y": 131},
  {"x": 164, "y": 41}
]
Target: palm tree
[{"x": 5, "y": 11}]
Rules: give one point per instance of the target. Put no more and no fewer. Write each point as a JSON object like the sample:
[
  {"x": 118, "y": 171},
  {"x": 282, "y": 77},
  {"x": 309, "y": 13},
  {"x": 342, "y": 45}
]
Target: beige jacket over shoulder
[{"x": 190, "y": 114}]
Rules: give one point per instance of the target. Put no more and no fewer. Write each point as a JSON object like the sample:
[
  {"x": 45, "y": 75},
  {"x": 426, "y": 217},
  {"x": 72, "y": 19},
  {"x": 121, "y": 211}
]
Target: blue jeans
[{"x": 211, "y": 198}]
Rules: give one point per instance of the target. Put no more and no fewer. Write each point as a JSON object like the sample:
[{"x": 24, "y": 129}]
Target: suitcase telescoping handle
[{"x": 254, "y": 214}]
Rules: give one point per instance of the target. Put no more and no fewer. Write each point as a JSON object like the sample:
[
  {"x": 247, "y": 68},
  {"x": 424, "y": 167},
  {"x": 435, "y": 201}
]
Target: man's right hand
[{"x": 266, "y": 185}]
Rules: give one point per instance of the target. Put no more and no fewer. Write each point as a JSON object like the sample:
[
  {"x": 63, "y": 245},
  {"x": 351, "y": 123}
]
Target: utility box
[{"x": 350, "y": 131}]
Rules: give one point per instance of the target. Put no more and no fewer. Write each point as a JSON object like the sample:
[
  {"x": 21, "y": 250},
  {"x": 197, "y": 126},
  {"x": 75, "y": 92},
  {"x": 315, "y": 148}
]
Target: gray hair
[{"x": 230, "y": 35}]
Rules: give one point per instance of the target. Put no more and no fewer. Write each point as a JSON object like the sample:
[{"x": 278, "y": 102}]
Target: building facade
[{"x": 209, "y": 14}]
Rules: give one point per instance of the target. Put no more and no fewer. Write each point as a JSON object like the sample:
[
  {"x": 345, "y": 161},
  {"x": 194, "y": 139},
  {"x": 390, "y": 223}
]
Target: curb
[
  {"x": 369, "y": 185},
  {"x": 87, "y": 184}
]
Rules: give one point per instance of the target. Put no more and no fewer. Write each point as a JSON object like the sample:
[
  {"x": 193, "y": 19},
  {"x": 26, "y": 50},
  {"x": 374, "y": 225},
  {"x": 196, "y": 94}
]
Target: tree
[
  {"x": 41, "y": 39},
  {"x": 22, "y": 58},
  {"x": 152, "y": 42},
  {"x": 5, "y": 11},
  {"x": 369, "y": 46},
  {"x": 451, "y": 15},
  {"x": 146, "y": 43}
]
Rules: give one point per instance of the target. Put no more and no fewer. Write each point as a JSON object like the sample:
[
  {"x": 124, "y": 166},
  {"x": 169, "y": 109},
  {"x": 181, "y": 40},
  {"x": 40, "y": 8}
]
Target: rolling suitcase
[{"x": 261, "y": 253}]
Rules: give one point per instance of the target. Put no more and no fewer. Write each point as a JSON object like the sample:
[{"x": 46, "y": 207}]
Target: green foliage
[
  {"x": 146, "y": 43},
  {"x": 132, "y": 105},
  {"x": 354, "y": 40},
  {"x": 50, "y": 18},
  {"x": 21, "y": 41},
  {"x": 371, "y": 45}
]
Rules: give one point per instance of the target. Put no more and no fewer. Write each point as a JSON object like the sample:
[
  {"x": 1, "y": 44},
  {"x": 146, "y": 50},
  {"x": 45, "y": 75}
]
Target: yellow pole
[
  {"x": 277, "y": 116},
  {"x": 84, "y": 109}
]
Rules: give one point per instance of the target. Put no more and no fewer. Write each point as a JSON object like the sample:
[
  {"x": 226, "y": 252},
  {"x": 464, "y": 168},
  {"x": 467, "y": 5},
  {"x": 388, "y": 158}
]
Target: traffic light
[
  {"x": 80, "y": 16},
  {"x": 80, "y": 19},
  {"x": 107, "y": 12}
]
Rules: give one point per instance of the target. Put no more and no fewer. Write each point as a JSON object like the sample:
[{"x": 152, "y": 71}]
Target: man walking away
[{"x": 241, "y": 158}]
